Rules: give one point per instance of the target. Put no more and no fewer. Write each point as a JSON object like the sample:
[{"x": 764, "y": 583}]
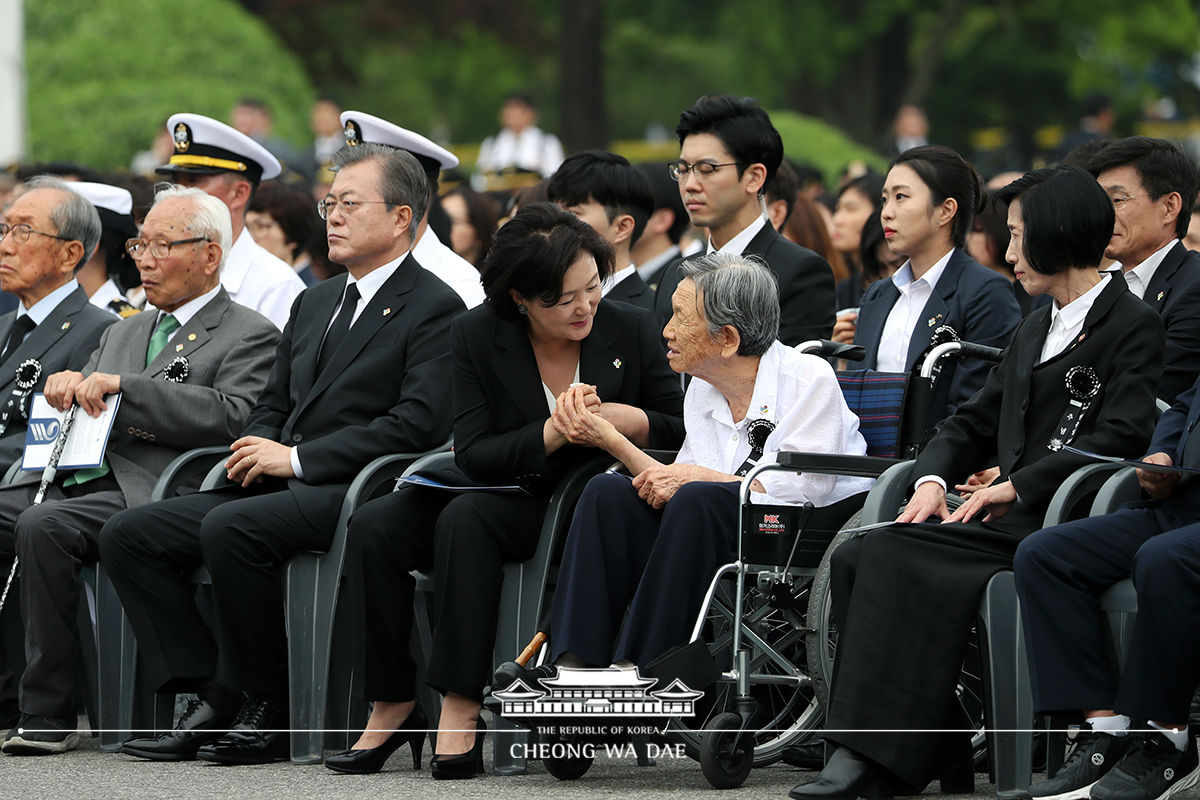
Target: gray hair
[
  {"x": 73, "y": 217},
  {"x": 211, "y": 219},
  {"x": 739, "y": 291},
  {"x": 403, "y": 182}
]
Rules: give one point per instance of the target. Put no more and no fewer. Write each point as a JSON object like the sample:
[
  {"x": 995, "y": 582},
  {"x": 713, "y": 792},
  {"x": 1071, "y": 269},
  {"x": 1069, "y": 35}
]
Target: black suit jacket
[
  {"x": 633, "y": 290},
  {"x": 63, "y": 341},
  {"x": 1013, "y": 417},
  {"x": 806, "y": 288},
  {"x": 500, "y": 406},
  {"x": 972, "y": 299},
  {"x": 386, "y": 388},
  {"x": 1174, "y": 292}
]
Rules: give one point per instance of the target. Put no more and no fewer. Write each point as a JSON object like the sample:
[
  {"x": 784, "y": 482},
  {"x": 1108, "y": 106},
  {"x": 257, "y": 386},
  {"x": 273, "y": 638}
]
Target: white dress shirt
[
  {"x": 655, "y": 263},
  {"x": 453, "y": 270},
  {"x": 183, "y": 315},
  {"x": 1140, "y": 276},
  {"x": 800, "y": 394},
  {"x": 259, "y": 280},
  {"x": 738, "y": 244},
  {"x": 612, "y": 280},
  {"x": 107, "y": 293},
  {"x": 902, "y": 319},
  {"x": 1067, "y": 322},
  {"x": 42, "y": 308}
]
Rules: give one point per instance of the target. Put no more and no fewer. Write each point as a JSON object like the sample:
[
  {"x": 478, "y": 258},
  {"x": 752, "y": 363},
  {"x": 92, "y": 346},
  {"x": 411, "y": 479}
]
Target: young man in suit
[
  {"x": 606, "y": 192},
  {"x": 658, "y": 246},
  {"x": 728, "y": 152},
  {"x": 1153, "y": 185},
  {"x": 361, "y": 371},
  {"x": 188, "y": 374},
  {"x": 1061, "y": 572}
]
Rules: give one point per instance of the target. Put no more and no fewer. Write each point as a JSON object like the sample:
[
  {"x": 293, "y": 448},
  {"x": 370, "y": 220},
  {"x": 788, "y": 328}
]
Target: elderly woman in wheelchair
[
  {"x": 654, "y": 542},
  {"x": 1081, "y": 371}
]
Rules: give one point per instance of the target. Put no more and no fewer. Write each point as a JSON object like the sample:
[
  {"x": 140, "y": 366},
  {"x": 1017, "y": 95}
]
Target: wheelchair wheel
[
  {"x": 822, "y": 647},
  {"x": 726, "y": 752},
  {"x": 786, "y": 709},
  {"x": 568, "y": 768}
]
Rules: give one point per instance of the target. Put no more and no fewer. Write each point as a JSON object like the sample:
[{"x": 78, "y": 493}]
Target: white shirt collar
[
  {"x": 1074, "y": 312},
  {"x": 618, "y": 276},
  {"x": 183, "y": 315},
  {"x": 903, "y": 277},
  {"x": 42, "y": 308},
  {"x": 737, "y": 245},
  {"x": 654, "y": 263},
  {"x": 1145, "y": 270},
  {"x": 370, "y": 283},
  {"x": 107, "y": 292}
]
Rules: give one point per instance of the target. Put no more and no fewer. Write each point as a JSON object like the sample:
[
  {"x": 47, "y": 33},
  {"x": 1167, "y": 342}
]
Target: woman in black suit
[
  {"x": 542, "y": 331},
  {"x": 1081, "y": 371}
]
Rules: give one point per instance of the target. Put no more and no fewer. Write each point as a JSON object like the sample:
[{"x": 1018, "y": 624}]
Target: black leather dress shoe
[
  {"x": 847, "y": 776},
  {"x": 199, "y": 725},
  {"x": 510, "y": 672},
  {"x": 810, "y": 755},
  {"x": 259, "y": 736}
]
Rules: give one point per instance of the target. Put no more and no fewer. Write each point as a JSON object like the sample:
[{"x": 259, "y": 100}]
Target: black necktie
[
  {"x": 21, "y": 326},
  {"x": 339, "y": 329}
]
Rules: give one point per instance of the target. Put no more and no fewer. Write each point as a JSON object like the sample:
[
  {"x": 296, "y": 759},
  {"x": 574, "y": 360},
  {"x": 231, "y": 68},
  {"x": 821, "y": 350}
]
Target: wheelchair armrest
[
  {"x": 193, "y": 463},
  {"x": 829, "y": 349},
  {"x": 1078, "y": 485},
  {"x": 888, "y": 494},
  {"x": 836, "y": 464},
  {"x": 13, "y": 471},
  {"x": 441, "y": 460},
  {"x": 381, "y": 471},
  {"x": 1120, "y": 488}
]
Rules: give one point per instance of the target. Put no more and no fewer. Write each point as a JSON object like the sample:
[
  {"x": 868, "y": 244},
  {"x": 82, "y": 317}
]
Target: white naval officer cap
[
  {"x": 114, "y": 204},
  {"x": 361, "y": 128},
  {"x": 204, "y": 146}
]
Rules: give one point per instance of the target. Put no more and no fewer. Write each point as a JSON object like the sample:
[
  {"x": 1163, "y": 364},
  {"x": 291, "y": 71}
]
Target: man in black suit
[
  {"x": 658, "y": 247},
  {"x": 1061, "y": 572},
  {"x": 729, "y": 151},
  {"x": 606, "y": 192},
  {"x": 361, "y": 371},
  {"x": 1153, "y": 185}
]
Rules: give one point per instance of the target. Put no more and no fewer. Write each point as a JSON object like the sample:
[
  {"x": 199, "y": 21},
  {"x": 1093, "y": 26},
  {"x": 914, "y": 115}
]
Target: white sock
[
  {"x": 1178, "y": 736},
  {"x": 1116, "y": 725}
]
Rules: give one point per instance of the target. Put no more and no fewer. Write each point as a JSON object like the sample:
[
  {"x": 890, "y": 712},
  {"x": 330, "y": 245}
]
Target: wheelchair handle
[
  {"x": 961, "y": 350},
  {"x": 828, "y": 349}
]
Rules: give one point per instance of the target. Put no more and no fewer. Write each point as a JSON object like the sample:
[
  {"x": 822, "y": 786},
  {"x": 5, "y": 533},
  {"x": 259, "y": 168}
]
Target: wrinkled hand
[
  {"x": 996, "y": 499},
  {"x": 64, "y": 388},
  {"x": 1158, "y": 485},
  {"x": 929, "y": 500},
  {"x": 985, "y": 477},
  {"x": 577, "y": 422},
  {"x": 60, "y": 389},
  {"x": 844, "y": 328},
  {"x": 658, "y": 484},
  {"x": 255, "y": 458}
]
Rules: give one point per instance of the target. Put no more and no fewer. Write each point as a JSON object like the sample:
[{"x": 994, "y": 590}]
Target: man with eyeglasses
[
  {"x": 362, "y": 370},
  {"x": 1153, "y": 185},
  {"x": 229, "y": 165},
  {"x": 729, "y": 151},
  {"x": 188, "y": 373}
]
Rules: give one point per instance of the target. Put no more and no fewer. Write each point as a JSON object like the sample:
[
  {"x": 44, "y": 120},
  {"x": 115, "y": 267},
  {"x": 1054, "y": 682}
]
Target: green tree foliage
[{"x": 102, "y": 77}]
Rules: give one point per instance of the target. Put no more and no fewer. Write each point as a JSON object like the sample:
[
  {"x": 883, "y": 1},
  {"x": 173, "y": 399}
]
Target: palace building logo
[{"x": 597, "y": 692}]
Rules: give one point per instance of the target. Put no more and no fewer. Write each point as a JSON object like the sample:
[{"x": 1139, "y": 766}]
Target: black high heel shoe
[
  {"x": 371, "y": 760},
  {"x": 463, "y": 765}
]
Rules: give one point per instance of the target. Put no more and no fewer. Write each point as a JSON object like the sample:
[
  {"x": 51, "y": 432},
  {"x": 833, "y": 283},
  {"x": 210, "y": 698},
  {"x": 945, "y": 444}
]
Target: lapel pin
[
  {"x": 1082, "y": 336},
  {"x": 617, "y": 363},
  {"x": 191, "y": 337},
  {"x": 387, "y": 311},
  {"x": 178, "y": 348},
  {"x": 933, "y": 320},
  {"x": 1160, "y": 295},
  {"x": 762, "y": 409},
  {"x": 65, "y": 326}
]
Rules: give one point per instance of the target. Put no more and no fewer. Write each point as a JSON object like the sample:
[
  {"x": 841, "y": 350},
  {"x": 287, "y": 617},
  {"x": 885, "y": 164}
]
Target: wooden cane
[{"x": 529, "y": 652}]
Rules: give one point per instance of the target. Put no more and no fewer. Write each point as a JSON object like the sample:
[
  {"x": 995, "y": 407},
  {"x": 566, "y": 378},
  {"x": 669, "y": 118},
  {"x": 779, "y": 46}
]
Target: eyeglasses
[
  {"x": 330, "y": 204},
  {"x": 158, "y": 247},
  {"x": 21, "y": 233},
  {"x": 681, "y": 169},
  {"x": 1119, "y": 202}
]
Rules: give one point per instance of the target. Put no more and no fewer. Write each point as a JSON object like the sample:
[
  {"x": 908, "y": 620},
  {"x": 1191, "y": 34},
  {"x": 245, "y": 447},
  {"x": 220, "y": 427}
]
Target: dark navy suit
[
  {"x": 973, "y": 300},
  {"x": 633, "y": 290},
  {"x": 1174, "y": 292},
  {"x": 1061, "y": 571}
]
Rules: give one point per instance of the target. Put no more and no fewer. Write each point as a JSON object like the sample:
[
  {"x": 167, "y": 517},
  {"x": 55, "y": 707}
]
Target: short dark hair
[
  {"x": 742, "y": 126},
  {"x": 293, "y": 211},
  {"x": 1068, "y": 218},
  {"x": 533, "y": 251},
  {"x": 1162, "y": 166},
  {"x": 784, "y": 185},
  {"x": 665, "y": 192},
  {"x": 402, "y": 181},
  {"x": 947, "y": 174},
  {"x": 610, "y": 180}
]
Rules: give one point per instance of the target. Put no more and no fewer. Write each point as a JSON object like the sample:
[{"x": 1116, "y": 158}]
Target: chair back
[{"x": 877, "y": 398}]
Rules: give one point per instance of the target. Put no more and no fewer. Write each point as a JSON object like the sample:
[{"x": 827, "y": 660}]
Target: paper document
[
  {"x": 1129, "y": 462},
  {"x": 85, "y": 444},
  {"x": 430, "y": 483}
]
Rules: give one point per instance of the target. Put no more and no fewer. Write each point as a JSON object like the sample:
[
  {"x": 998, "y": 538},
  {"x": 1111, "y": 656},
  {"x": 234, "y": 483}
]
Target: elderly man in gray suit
[{"x": 188, "y": 373}]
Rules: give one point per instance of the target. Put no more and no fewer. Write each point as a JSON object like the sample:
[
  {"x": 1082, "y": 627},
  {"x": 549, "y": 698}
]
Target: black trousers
[
  {"x": 467, "y": 538},
  {"x": 1060, "y": 573},
  {"x": 244, "y": 538},
  {"x": 906, "y": 598},
  {"x": 53, "y": 540},
  {"x": 620, "y": 552}
]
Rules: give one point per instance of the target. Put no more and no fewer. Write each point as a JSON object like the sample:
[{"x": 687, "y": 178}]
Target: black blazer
[
  {"x": 386, "y": 389},
  {"x": 1174, "y": 292},
  {"x": 63, "y": 341},
  {"x": 1013, "y": 417},
  {"x": 806, "y": 289},
  {"x": 633, "y": 290},
  {"x": 976, "y": 302},
  {"x": 500, "y": 406}
]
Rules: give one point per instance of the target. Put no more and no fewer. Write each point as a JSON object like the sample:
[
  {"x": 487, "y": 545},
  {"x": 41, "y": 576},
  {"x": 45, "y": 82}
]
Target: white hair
[{"x": 211, "y": 219}]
